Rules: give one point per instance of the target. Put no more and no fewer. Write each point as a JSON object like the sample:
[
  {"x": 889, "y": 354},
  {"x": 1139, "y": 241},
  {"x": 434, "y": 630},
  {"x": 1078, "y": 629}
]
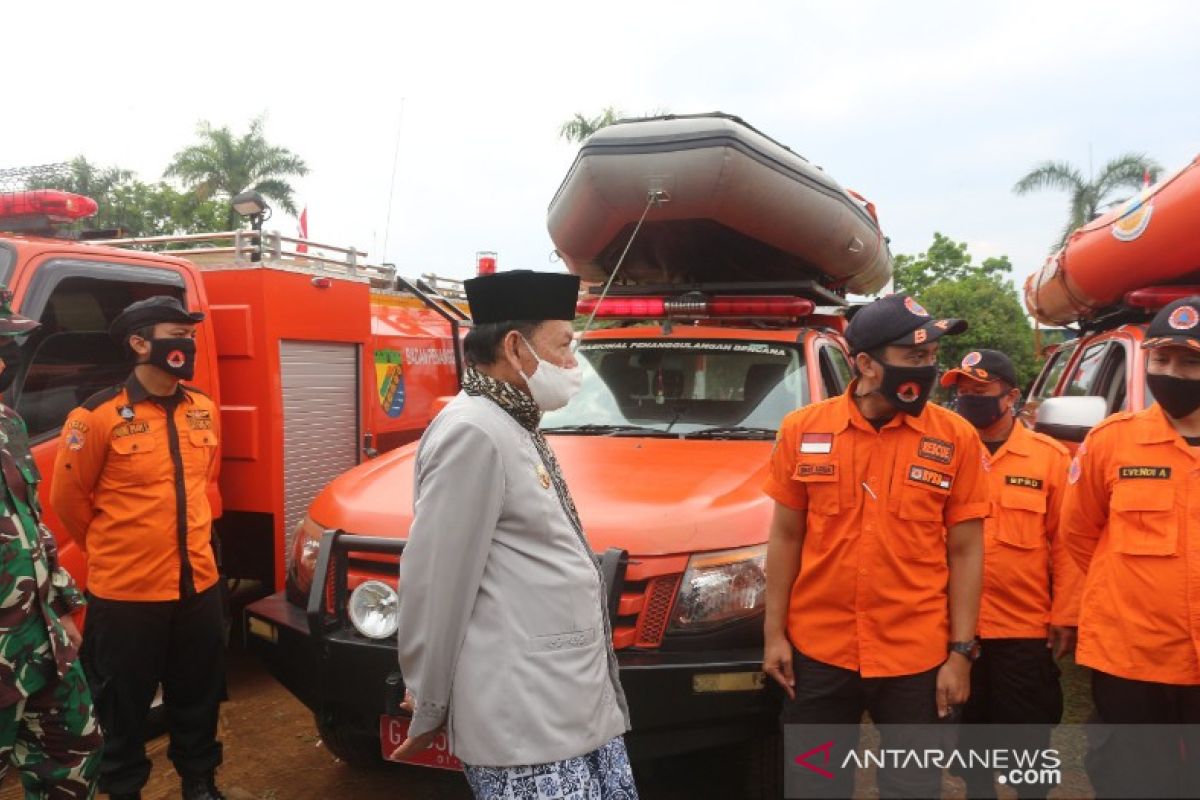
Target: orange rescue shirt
[
  {"x": 871, "y": 595},
  {"x": 131, "y": 487},
  {"x": 1030, "y": 580},
  {"x": 1132, "y": 519}
]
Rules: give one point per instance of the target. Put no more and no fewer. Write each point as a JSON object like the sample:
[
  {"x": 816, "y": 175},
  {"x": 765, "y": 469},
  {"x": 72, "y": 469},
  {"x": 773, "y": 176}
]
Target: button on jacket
[
  {"x": 1030, "y": 580},
  {"x": 871, "y": 595},
  {"x": 1132, "y": 519},
  {"x": 131, "y": 487}
]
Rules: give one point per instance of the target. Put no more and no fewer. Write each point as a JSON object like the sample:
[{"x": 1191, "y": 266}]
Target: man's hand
[
  {"x": 953, "y": 683},
  {"x": 777, "y": 663},
  {"x": 1061, "y": 640},
  {"x": 414, "y": 744},
  {"x": 72, "y": 631}
]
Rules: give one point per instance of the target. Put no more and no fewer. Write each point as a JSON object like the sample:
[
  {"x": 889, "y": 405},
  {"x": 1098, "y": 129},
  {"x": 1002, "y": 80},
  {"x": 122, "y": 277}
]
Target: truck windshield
[{"x": 677, "y": 387}]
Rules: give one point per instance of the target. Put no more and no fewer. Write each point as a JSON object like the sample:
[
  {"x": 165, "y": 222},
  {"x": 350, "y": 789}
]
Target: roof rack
[
  {"x": 242, "y": 248},
  {"x": 810, "y": 290}
]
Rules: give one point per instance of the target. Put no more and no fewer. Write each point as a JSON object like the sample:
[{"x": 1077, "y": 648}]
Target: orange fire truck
[{"x": 317, "y": 359}]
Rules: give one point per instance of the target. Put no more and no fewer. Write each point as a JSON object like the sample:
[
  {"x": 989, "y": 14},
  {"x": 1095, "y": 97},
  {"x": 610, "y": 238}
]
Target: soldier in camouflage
[{"x": 47, "y": 728}]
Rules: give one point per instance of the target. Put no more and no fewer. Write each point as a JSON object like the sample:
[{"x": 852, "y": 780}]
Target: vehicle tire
[{"x": 352, "y": 744}]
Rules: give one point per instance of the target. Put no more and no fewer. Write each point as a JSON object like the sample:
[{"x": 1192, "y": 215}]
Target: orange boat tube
[{"x": 1153, "y": 238}]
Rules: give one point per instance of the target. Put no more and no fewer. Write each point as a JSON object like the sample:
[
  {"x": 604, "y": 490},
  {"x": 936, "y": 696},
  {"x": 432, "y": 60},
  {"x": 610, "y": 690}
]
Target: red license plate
[{"x": 394, "y": 730}]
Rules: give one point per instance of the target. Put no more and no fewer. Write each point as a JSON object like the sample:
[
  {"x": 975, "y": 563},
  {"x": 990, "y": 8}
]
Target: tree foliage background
[{"x": 949, "y": 284}]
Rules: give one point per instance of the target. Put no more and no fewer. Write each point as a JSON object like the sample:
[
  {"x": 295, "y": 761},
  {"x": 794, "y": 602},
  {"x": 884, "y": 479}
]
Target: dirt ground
[{"x": 272, "y": 752}]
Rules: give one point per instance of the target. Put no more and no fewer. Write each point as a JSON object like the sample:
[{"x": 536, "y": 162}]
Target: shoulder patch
[{"x": 101, "y": 397}]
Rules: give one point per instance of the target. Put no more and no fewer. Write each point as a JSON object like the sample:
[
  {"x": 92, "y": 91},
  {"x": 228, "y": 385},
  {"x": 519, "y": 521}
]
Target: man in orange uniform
[
  {"x": 131, "y": 486},
  {"x": 875, "y": 555},
  {"x": 1132, "y": 519},
  {"x": 1031, "y": 585}
]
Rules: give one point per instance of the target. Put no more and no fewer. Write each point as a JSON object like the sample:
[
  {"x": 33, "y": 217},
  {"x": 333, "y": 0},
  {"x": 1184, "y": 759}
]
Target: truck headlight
[
  {"x": 721, "y": 587},
  {"x": 306, "y": 543},
  {"x": 375, "y": 609}
]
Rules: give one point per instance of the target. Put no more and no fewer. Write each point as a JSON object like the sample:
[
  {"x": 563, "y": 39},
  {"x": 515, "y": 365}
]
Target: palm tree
[
  {"x": 580, "y": 127},
  {"x": 1088, "y": 196},
  {"x": 223, "y": 165}
]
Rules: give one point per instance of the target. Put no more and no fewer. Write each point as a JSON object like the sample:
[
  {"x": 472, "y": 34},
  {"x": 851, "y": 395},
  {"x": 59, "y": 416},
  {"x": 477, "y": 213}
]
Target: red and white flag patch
[{"x": 816, "y": 443}]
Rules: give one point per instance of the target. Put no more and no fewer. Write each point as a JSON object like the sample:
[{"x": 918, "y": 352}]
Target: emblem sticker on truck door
[{"x": 389, "y": 380}]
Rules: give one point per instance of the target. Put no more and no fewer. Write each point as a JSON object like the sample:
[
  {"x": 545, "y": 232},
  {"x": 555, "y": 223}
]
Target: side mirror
[
  {"x": 438, "y": 404},
  {"x": 1070, "y": 418}
]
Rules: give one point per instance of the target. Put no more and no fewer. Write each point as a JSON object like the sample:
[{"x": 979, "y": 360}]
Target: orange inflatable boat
[{"x": 1152, "y": 239}]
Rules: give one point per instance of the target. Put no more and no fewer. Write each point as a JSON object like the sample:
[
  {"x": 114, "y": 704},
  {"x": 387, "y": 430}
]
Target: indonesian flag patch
[{"x": 816, "y": 443}]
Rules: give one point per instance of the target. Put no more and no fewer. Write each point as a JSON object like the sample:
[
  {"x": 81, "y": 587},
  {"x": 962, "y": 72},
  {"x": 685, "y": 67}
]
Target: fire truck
[{"x": 317, "y": 359}]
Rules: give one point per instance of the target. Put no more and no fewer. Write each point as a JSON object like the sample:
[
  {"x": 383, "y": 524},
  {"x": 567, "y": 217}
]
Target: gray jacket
[{"x": 503, "y": 628}]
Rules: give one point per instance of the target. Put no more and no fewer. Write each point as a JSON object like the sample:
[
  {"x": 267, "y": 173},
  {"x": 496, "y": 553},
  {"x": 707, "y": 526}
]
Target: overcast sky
[{"x": 931, "y": 110}]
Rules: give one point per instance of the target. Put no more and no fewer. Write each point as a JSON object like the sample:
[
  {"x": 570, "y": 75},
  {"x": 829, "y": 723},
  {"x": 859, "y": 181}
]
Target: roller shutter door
[{"x": 320, "y": 421}]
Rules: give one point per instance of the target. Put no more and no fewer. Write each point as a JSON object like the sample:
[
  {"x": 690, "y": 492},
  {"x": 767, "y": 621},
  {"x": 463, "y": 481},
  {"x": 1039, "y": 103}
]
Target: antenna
[{"x": 387, "y": 227}]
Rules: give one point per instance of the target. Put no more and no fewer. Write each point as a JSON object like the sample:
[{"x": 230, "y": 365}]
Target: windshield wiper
[
  {"x": 731, "y": 432},
  {"x": 610, "y": 430}
]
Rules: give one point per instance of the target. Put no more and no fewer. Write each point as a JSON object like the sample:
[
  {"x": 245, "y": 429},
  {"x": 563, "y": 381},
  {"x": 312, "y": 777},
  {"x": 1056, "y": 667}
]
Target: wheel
[{"x": 353, "y": 744}]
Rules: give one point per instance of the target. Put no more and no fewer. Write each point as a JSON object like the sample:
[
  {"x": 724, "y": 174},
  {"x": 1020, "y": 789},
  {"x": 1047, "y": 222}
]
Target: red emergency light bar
[
  {"x": 48, "y": 204},
  {"x": 697, "y": 307},
  {"x": 1155, "y": 297}
]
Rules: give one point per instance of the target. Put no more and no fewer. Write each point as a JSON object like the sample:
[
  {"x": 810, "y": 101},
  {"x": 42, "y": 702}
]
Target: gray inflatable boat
[{"x": 730, "y": 204}]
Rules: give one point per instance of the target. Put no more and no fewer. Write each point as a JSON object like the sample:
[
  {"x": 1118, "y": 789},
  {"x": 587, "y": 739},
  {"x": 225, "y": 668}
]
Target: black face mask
[
  {"x": 1177, "y": 396},
  {"x": 176, "y": 357},
  {"x": 980, "y": 411},
  {"x": 10, "y": 354},
  {"x": 907, "y": 388}
]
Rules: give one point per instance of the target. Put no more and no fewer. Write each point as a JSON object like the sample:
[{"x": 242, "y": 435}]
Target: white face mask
[{"x": 552, "y": 386}]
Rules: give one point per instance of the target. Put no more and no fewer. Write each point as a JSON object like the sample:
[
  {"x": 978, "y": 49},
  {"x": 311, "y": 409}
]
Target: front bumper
[
  {"x": 678, "y": 702},
  {"x": 674, "y": 707}
]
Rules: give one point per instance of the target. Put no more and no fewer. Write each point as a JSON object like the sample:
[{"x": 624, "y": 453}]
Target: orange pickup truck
[{"x": 665, "y": 449}]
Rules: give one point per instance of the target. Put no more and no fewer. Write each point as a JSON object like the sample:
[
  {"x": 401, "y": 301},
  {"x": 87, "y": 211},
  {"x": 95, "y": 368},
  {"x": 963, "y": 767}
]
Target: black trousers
[
  {"x": 129, "y": 648},
  {"x": 1146, "y": 742},
  {"x": 829, "y": 695},
  {"x": 1013, "y": 682}
]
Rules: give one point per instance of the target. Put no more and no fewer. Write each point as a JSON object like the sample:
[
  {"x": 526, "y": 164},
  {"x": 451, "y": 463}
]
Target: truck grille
[{"x": 644, "y": 612}]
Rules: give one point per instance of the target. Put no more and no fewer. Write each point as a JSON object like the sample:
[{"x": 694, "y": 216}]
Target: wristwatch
[{"x": 969, "y": 649}]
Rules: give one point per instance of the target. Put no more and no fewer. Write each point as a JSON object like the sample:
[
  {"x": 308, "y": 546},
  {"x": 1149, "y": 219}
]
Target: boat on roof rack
[{"x": 711, "y": 199}]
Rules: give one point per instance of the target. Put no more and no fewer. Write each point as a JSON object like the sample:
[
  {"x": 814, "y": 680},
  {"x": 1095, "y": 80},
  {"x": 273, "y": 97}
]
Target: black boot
[{"x": 202, "y": 787}]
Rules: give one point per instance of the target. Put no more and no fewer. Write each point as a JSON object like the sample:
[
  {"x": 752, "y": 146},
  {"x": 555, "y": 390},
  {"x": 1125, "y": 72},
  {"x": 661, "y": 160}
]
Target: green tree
[
  {"x": 1088, "y": 195},
  {"x": 136, "y": 208},
  {"x": 222, "y": 165},
  {"x": 579, "y": 127},
  {"x": 945, "y": 260},
  {"x": 948, "y": 284}
]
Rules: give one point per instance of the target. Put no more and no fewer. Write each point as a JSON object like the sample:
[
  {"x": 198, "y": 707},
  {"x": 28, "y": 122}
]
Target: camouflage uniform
[{"x": 47, "y": 728}]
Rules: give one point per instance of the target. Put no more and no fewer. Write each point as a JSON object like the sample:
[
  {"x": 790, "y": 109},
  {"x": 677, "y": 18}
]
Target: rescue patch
[
  {"x": 77, "y": 425},
  {"x": 126, "y": 412},
  {"x": 972, "y": 358},
  {"x": 75, "y": 439},
  {"x": 938, "y": 450},
  {"x": 816, "y": 470},
  {"x": 818, "y": 443},
  {"x": 176, "y": 359},
  {"x": 1075, "y": 471},
  {"x": 930, "y": 477},
  {"x": 1154, "y": 473},
  {"x": 1184, "y": 318},
  {"x": 1020, "y": 480},
  {"x": 199, "y": 419},
  {"x": 909, "y": 392},
  {"x": 915, "y": 308},
  {"x": 130, "y": 429}
]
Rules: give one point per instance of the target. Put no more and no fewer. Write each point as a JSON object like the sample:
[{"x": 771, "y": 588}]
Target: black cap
[
  {"x": 897, "y": 319},
  {"x": 151, "y": 311},
  {"x": 985, "y": 366},
  {"x": 12, "y": 323},
  {"x": 522, "y": 295},
  {"x": 1178, "y": 324}
]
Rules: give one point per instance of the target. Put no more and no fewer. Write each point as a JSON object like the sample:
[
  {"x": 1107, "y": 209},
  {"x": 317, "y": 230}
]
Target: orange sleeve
[
  {"x": 1085, "y": 502},
  {"x": 82, "y": 449},
  {"x": 1066, "y": 581},
  {"x": 969, "y": 494},
  {"x": 779, "y": 484}
]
